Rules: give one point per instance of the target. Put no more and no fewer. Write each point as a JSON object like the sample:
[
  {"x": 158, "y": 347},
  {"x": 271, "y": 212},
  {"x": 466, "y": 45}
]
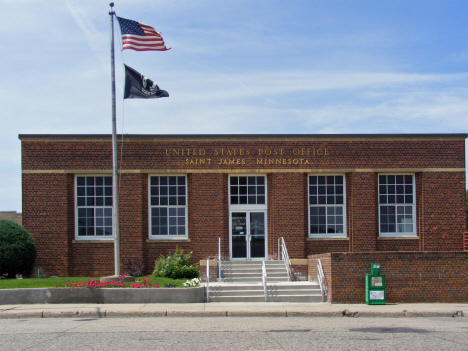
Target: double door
[{"x": 248, "y": 234}]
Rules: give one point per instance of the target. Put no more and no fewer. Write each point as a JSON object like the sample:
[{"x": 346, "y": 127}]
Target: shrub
[
  {"x": 176, "y": 266},
  {"x": 133, "y": 267},
  {"x": 17, "y": 250}
]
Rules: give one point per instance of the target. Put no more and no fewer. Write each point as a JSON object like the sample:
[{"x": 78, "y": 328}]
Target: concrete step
[
  {"x": 294, "y": 286},
  {"x": 298, "y": 292},
  {"x": 239, "y": 272},
  {"x": 277, "y": 274},
  {"x": 233, "y": 271},
  {"x": 276, "y": 269},
  {"x": 237, "y": 293},
  {"x": 241, "y": 280},
  {"x": 276, "y": 292},
  {"x": 237, "y": 299},
  {"x": 277, "y": 279},
  {"x": 251, "y": 271},
  {"x": 296, "y": 298},
  {"x": 234, "y": 287}
]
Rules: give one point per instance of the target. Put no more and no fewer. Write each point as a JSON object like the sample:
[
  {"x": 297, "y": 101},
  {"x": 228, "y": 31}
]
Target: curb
[{"x": 119, "y": 314}]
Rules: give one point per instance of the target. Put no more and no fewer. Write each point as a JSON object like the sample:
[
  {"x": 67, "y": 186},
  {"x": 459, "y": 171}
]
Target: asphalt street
[{"x": 236, "y": 333}]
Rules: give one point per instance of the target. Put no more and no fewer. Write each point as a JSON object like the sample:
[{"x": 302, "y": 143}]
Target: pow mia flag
[{"x": 137, "y": 86}]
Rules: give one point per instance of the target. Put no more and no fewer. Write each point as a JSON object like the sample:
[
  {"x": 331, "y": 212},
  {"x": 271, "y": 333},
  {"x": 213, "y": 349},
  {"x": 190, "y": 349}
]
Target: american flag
[{"x": 140, "y": 37}]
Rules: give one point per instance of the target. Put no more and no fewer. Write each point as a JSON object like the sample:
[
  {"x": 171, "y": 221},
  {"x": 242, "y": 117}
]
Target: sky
[{"x": 235, "y": 67}]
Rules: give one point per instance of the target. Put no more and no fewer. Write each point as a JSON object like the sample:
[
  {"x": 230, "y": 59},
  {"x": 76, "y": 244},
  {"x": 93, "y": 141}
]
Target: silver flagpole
[{"x": 115, "y": 188}]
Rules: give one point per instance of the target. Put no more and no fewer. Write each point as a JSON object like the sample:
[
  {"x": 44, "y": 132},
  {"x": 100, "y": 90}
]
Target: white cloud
[{"x": 95, "y": 38}]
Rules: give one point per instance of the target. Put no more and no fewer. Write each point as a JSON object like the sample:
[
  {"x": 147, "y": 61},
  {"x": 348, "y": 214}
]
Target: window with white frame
[
  {"x": 168, "y": 207},
  {"x": 247, "y": 190},
  {"x": 327, "y": 211},
  {"x": 397, "y": 205},
  {"x": 93, "y": 207}
]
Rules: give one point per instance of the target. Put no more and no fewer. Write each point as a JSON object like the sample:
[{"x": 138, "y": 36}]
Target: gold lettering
[
  {"x": 326, "y": 152},
  {"x": 319, "y": 152}
]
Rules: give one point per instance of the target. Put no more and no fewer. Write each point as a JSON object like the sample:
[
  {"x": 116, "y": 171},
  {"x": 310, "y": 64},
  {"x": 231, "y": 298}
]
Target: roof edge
[{"x": 97, "y": 137}]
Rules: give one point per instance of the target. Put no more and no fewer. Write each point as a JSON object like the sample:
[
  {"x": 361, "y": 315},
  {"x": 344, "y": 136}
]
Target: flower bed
[
  {"x": 94, "y": 284},
  {"x": 94, "y": 291}
]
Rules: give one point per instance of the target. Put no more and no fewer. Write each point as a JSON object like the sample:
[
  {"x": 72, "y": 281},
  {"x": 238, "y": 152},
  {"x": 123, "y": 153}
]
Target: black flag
[{"x": 137, "y": 86}]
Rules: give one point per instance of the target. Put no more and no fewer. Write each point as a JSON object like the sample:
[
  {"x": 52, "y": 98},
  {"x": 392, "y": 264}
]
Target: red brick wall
[
  {"x": 213, "y": 273},
  {"x": 325, "y": 260},
  {"x": 410, "y": 276},
  {"x": 207, "y": 218},
  {"x": 287, "y": 212},
  {"x": 299, "y": 272},
  {"x": 46, "y": 216},
  {"x": 48, "y": 198},
  {"x": 151, "y": 154}
]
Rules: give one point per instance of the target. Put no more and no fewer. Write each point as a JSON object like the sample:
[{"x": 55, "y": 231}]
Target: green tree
[{"x": 17, "y": 249}]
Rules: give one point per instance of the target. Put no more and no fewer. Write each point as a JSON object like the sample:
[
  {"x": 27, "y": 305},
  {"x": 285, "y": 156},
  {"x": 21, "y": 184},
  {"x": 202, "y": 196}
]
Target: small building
[
  {"x": 12, "y": 216},
  {"x": 321, "y": 193}
]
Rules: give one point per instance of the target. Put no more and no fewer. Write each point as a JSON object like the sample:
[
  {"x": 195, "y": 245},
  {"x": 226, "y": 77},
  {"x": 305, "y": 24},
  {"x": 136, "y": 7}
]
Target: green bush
[
  {"x": 176, "y": 266},
  {"x": 17, "y": 250}
]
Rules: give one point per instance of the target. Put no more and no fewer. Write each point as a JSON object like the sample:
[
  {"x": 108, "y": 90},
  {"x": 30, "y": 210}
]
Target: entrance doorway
[{"x": 248, "y": 234}]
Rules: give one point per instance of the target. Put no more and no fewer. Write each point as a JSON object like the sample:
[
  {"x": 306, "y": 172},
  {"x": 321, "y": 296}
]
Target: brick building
[{"x": 321, "y": 193}]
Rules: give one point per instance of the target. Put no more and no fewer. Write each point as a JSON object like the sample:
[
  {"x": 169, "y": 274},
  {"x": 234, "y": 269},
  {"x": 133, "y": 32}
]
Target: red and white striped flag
[{"x": 140, "y": 37}]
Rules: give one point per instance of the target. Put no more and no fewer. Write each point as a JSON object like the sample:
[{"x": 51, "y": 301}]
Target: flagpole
[{"x": 115, "y": 188}]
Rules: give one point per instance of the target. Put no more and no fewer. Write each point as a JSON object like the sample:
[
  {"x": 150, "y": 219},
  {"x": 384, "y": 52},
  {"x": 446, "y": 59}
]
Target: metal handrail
[
  {"x": 219, "y": 259},
  {"x": 208, "y": 280},
  {"x": 321, "y": 280},
  {"x": 264, "y": 280},
  {"x": 284, "y": 255}
]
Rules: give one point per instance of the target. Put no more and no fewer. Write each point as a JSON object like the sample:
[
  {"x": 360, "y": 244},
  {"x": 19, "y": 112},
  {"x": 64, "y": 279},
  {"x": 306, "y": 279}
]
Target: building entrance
[{"x": 248, "y": 235}]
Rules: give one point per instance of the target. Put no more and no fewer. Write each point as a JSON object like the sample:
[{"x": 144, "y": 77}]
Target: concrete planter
[{"x": 107, "y": 295}]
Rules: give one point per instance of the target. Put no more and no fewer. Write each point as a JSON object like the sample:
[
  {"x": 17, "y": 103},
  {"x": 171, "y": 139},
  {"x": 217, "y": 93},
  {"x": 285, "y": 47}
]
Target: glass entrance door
[{"x": 248, "y": 235}]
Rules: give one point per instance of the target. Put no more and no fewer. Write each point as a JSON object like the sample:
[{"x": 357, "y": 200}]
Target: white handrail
[
  {"x": 264, "y": 280},
  {"x": 219, "y": 259},
  {"x": 208, "y": 280},
  {"x": 284, "y": 255},
  {"x": 321, "y": 280}
]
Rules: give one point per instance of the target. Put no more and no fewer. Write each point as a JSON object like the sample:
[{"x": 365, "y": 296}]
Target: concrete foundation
[{"x": 107, "y": 295}]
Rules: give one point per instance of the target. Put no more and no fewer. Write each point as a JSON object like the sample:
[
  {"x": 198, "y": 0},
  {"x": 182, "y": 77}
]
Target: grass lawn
[{"x": 29, "y": 283}]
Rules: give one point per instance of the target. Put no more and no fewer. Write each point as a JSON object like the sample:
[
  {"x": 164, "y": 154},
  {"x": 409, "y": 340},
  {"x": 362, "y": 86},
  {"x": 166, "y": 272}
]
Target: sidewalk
[{"x": 233, "y": 309}]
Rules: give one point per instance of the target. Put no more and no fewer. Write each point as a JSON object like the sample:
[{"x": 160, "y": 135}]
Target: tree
[{"x": 17, "y": 249}]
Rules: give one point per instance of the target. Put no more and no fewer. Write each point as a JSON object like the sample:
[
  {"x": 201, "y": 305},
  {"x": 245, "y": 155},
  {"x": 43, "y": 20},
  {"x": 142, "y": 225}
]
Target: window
[
  {"x": 247, "y": 190},
  {"x": 327, "y": 206},
  {"x": 93, "y": 207},
  {"x": 168, "y": 207},
  {"x": 397, "y": 205}
]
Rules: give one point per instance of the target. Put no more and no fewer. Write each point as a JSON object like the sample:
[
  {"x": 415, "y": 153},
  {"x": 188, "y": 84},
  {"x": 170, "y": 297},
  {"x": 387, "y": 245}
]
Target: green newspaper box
[{"x": 375, "y": 286}]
